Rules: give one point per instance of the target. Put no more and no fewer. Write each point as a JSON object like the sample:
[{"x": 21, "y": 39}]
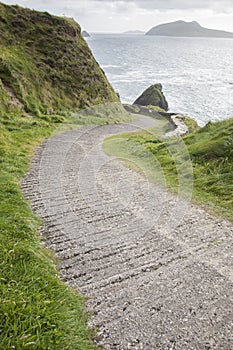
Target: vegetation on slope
[
  {"x": 210, "y": 150},
  {"x": 46, "y": 66},
  {"x": 46, "y": 70},
  {"x": 37, "y": 311}
]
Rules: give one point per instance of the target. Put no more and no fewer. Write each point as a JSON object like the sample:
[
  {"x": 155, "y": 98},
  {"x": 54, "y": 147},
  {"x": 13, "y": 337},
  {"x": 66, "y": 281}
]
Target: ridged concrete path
[{"x": 157, "y": 271}]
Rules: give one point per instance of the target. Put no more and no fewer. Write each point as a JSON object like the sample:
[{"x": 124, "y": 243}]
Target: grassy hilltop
[{"x": 46, "y": 66}]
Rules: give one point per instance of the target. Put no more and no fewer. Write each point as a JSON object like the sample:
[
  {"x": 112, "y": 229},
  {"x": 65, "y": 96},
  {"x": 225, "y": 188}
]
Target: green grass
[
  {"x": 46, "y": 71},
  {"x": 167, "y": 163},
  {"x": 37, "y": 311},
  {"x": 203, "y": 159},
  {"x": 47, "y": 65},
  {"x": 107, "y": 113}
]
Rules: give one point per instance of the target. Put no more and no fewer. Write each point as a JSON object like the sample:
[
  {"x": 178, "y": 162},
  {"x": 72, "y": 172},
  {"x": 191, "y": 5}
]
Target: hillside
[
  {"x": 187, "y": 29},
  {"x": 210, "y": 150},
  {"x": 46, "y": 69},
  {"x": 46, "y": 66}
]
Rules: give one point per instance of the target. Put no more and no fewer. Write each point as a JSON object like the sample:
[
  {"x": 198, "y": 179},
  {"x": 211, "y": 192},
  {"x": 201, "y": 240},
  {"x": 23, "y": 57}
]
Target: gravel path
[{"x": 156, "y": 269}]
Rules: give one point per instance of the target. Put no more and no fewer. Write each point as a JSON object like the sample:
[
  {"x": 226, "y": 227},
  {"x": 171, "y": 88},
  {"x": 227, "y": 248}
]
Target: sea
[{"x": 196, "y": 73}]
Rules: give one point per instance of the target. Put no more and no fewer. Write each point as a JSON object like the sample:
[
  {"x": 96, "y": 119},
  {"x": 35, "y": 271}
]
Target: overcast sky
[{"x": 119, "y": 16}]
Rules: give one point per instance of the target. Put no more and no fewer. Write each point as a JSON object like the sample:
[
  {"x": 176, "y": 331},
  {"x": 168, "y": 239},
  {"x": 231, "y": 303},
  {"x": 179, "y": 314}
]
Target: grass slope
[
  {"x": 46, "y": 70},
  {"x": 46, "y": 66},
  {"x": 210, "y": 150},
  {"x": 37, "y": 311}
]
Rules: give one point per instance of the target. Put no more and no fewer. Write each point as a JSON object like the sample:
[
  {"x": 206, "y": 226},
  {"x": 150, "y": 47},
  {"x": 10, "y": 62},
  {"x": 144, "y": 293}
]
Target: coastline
[{"x": 177, "y": 120}]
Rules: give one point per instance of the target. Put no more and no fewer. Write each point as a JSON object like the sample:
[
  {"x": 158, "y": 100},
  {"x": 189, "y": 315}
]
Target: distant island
[
  {"x": 85, "y": 34},
  {"x": 187, "y": 29},
  {"x": 134, "y": 32}
]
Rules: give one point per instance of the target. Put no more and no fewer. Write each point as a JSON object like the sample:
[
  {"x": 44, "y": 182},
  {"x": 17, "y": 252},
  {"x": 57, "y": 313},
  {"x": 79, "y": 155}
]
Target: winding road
[{"x": 156, "y": 269}]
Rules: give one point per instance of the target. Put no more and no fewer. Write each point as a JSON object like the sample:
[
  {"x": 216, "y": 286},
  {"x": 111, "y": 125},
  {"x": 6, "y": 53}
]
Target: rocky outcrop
[
  {"x": 85, "y": 34},
  {"x": 177, "y": 122},
  {"x": 181, "y": 129},
  {"x": 153, "y": 96}
]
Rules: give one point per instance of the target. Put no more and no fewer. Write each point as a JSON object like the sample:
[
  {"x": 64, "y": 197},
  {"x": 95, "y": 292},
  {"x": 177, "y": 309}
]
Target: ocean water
[{"x": 196, "y": 73}]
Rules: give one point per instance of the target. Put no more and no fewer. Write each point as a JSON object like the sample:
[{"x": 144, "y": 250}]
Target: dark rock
[
  {"x": 153, "y": 96},
  {"x": 85, "y": 34}
]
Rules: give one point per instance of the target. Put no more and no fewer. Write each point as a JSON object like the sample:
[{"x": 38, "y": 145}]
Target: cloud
[
  {"x": 221, "y": 5},
  {"x": 122, "y": 15}
]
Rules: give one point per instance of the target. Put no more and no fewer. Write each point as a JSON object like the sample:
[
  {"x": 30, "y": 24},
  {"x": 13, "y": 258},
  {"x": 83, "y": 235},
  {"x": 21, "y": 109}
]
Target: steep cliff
[{"x": 46, "y": 66}]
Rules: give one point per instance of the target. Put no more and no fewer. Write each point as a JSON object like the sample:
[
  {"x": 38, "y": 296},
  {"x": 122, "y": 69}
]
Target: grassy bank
[
  {"x": 46, "y": 67},
  {"x": 46, "y": 71},
  {"x": 210, "y": 150},
  {"x": 37, "y": 311}
]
